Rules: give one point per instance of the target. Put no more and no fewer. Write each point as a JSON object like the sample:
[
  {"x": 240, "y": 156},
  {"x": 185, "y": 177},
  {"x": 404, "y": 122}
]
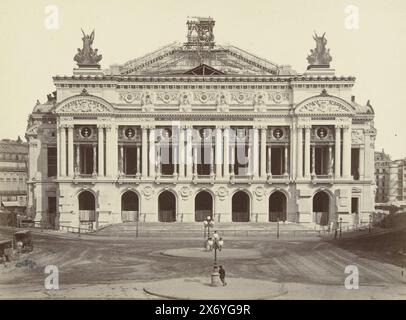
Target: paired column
[
  {"x": 100, "y": 141},
  {"x": 347, "y": 152},
  {"x": 337, "y": 152},
  {"x": 286, "y": 161},
  {"x": 269, "y": 161},
  {"x": 255, "y": 156},
  {"x": 70, "y": 152},
  {"x": 226, "y": 160},
  {"x": 218, "y": 152},
  {"x": 62, "y": 154},
  {"x": 58, "y": 150},
  {"x": 181, "y": 157},
  {"x": 152, "y": 152},
  {"x": 77, "y": 167},
  {"x": 263, "y": 153},
  {"x": 307, "y": 152},
  {"x": 94, "y": 160},
  {"x": 144, "y": 152},
  {"x": 299, "y": 168},
  {"x": 313, "y": 161},
  {"x": 189, "y": 155}
]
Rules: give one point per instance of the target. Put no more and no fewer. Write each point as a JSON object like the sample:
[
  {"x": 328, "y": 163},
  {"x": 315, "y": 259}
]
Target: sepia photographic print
[{"x": 203, "y": 150}]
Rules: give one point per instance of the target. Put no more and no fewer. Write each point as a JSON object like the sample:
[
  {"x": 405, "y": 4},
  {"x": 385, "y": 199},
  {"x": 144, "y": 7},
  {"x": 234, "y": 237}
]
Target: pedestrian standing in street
[{"x": 222, "y": 273}]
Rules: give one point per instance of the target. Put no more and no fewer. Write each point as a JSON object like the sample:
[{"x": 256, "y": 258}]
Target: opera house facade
[{"x": 199, "y": 129}]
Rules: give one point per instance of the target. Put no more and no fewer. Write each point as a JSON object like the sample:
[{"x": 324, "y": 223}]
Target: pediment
[
  {"x": 203, "y": 70},
  {"x": 84, "y": 104},
  {"x": 175, "y": 59},
  {"x": 324, "y": 105}
]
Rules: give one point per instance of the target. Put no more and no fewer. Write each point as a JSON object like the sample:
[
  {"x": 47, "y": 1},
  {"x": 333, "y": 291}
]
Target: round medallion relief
[
  {"x": 321, "y": 133},
  {"x": 86, "y": 132},
  {"x": 278, "y": 133},
  {"x": 129, "y": 133}
]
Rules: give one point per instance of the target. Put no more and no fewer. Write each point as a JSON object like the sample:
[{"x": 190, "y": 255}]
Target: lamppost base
[{"x": 215, "y": 278}]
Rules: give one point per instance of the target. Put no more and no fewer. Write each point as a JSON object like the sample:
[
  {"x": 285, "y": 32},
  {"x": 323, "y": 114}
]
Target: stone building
[
  {"x": 382, "y": 176},
  {"x": 13, "y": 174},
  {"x": 390, "y": 178},
  {"x": 199, "y": 129}
]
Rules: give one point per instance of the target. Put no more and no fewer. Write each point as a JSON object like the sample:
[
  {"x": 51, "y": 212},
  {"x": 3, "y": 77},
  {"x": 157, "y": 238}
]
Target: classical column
[
  {"x": 249, "y": 157},
  {"x": 269, "y": 161},
  {"x": 144, "y": 152},
  {"x": 138, "y": 160},
  {"x": 299, "y": 168},
  {"x": 158, "y": 167},
  {"x": 361, "y": 162},
  {"x": 121, "y": 160},
  {"x": 347, "y": 152},
  {"x": 307, "y": 152},
  {"x": 330, "y": 160},
  {"x": 58, "y": 150},
  {"x": 189, "y": 151},
  {"x": 195, "y": 161},
  {"x": 63, "y": 151},
  {"x": 292, "y": 147},
  {"x": 286, "y": 161},
  {"x": 255, "y": 156},
  {"x": 337, "y": 153},
  {"x": 232, "y": 159},
  {"x": 226, "y": 160},
  {"x": 100, "y": 141},
  {"x": 181, "y": 152},
  {"x": 175, "y": 160},
  {"x": 313, "y": 161},
  {"x": 77, "y": 167},
  {"x": 112, "y": 148},
  {"x": 71, "y": 157},
  {"x": 211, "y": 161},
  {"x": 263, "y": 153},
  {"x": 218, "y": 153},
  {"x": 152, "y": 152},
  {"x": 94, "y": 160}
]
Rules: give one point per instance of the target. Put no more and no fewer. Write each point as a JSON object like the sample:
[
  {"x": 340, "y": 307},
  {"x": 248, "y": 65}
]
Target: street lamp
[
  {"x": 341, "y": 227},
  {"x": 215, "y": 243},
  {"x": 208, "y": 222}
]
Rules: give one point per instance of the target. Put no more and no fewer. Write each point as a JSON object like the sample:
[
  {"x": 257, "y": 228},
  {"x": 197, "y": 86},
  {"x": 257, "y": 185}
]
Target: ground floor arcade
[{"x": 99, "y": 204}]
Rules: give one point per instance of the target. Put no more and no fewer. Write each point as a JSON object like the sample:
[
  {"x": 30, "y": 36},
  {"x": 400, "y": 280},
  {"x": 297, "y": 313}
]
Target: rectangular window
[
  {"x": 355, "y": 163},
  {"x": 52, "y": 161}
]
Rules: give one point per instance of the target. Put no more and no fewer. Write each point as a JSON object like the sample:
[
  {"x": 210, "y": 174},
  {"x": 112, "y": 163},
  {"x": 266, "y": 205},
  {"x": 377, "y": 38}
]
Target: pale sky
[{"x": 278, "y": 30}]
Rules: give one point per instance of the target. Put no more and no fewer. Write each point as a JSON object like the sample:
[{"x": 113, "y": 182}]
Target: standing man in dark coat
[{"x": 222, "y": 273}]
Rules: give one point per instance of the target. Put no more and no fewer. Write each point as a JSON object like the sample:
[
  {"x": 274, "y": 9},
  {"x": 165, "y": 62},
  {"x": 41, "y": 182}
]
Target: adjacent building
[
  {"x": 13, "y": 174},
  {"x": 199, "y": 129},
  {"x": 390, "y": 178}
]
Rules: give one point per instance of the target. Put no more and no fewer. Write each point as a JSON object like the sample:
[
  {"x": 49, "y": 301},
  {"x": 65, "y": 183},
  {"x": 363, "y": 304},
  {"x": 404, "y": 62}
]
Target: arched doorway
[
  {"x": 129, "y": 207},
  {"x": 167, "y": 207},
  {"x": 203, "y": 206},
  {"x": 87, "y": 207},
  {"x": 321, "y": 208},
  {"x": 240, "y": 207},
  {"x": 277, "y": 206}
]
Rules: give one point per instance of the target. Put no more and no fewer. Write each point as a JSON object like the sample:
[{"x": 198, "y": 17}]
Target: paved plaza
[{"x": 104, "y": 266}]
